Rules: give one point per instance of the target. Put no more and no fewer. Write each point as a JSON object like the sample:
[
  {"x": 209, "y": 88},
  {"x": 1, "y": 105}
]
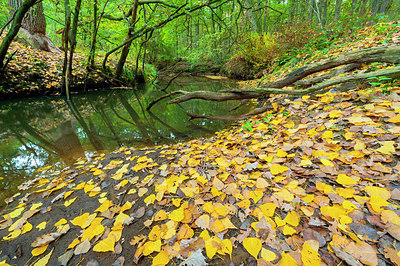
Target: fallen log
[{"x": 350, "y": 61}]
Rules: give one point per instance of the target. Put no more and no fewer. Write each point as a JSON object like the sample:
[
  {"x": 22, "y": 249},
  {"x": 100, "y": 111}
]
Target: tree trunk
[
  {"x": 93, "y": 44},
  {"x": 33, "y": 27},
  {"x": 337, "y": 9},
  {"x": 16, "y": 25},
  {"x": 125, "y": 50}
]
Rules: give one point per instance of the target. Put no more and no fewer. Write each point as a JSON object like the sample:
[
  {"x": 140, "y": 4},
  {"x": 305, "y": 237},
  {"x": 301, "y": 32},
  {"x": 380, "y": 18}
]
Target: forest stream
[{"x": 49, "y": 133}]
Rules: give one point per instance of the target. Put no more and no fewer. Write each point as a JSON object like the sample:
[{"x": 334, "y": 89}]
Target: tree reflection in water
[{"x": 50, "y": 131}]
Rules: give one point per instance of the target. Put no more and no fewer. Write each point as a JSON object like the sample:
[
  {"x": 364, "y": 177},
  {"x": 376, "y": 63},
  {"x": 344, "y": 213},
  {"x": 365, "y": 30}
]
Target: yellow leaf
[
  {"x": 252, "y": 245},
  {"x": 97, "y": 172},
  {"x": 193, "y": 162},
  {"x": 268, "y": 255},
  {"x": 41, "y": 226},
  {"x": 95, "y": 229},
  {"x": 279, "y": 222},
  {"x": 281, "y": 153},
  {"x": 43, "y": 261},
  {"x": 60, "y": 222},
  {"x": 121, "y": 172},
  {"x": 377, "y": 203},
  {"x": 327, "y": 135},
  {"x": 335, "y": 114},
  {"x": 162, "y": 258},
  {"x": 161, "y": 215},
  {"x": 26, "y": 228},
  {"x": 105, "y": 245},
  {"x": 345, "y": 180},
  {"x": 176, "y": 202},
  {"x": 83, "y": 220},
  {"x": 292, "y": 219},
  {"x": 244, "y": 204},
  {"x": 14, "y": 234},
  {"x": 39, "y": 250},
  {"x": 268, "y": 209},
  {"x": 227, "y": 246},
  {"x": 126, "y": 206},
  {"x": 305, "y": 162},
  {"x": 287, "y": 260},
  {"x": 151, "y": 246},
  {"x": 66, "y": 195},
  {"x": 177, "y": 215},
  {"x": 326, "y": 162},
  {"x": 185, "y": 232},
  {"x": 211, "y": 248},
  {"x": 104, "y": 206},
  {"x": 288, "y": 230},
  {"x": 310, "y": 256},
  {"x": 73, "y": 243},
  {"x": 387, "y": 147},
  {"x": 378, "y": 191},
  {"x": 69, "y": 202},
  {"x": 256, "y": 195},
  {"x": 395, "y": 119},
  {"x": 285, "y": 194},
  {"x": 150, "y": 199},
  {"x": 278, "y": 169},
  {"x": 121, "y": 218},
  {"x": 308, "y": 198},
  {"x": 16, "y": 212},
  {"x": 35, "y": 206}
]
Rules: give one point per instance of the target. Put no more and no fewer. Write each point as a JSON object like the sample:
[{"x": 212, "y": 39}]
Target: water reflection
[{"x": 50, "y": 131}]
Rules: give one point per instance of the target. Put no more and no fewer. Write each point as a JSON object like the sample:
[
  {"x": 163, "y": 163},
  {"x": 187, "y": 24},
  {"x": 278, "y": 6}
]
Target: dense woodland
[{"x": 240, "y": 38}]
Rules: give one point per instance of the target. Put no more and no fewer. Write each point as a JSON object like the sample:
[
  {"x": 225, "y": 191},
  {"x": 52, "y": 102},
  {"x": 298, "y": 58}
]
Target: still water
[{"x": 49, "y": 131}]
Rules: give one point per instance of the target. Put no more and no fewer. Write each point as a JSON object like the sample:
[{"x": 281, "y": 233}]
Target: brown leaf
[
  {"x": 139, "y": 213},
  {"x": 310, "y": 234},
  {"x": 82, "y": 247},
  {"x": 346, "y": 257},
  {"x": 392, "y": 255}
]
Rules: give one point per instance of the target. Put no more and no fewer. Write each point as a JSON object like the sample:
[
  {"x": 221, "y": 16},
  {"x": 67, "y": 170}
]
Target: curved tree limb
[{"x": 228, "y": 95}]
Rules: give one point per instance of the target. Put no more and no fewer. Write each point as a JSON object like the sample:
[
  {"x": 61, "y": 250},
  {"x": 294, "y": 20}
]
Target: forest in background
[{"x": 240, "y": 38}]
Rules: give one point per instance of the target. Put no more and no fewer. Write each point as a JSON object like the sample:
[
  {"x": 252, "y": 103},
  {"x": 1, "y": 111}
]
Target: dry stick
[
  {"x": 162, "y": 97},
  {"x": 170, "y": 81},
  {"x": 243, "y": 102},
  {"x": 9, "y": 59}
]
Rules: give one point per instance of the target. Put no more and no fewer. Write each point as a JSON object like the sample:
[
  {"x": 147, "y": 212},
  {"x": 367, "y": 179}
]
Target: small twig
[
  {"x": 9, "y": 59},
  {"x": 170, "y": 81},
  {"x": 162, "y": 97}
]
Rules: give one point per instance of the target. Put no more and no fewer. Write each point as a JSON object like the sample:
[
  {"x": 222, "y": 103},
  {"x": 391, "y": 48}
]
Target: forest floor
[
  {"x": 31, "y": 72},
  {"x": 313, "y": 181}
]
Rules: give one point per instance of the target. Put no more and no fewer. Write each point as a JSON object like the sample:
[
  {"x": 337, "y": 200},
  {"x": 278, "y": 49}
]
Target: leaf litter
[{"x": 314, "y": 181}]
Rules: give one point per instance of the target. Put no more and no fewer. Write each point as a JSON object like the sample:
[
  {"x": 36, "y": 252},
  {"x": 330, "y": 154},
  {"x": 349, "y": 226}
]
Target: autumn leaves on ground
[{"x": 313, "y": 181}]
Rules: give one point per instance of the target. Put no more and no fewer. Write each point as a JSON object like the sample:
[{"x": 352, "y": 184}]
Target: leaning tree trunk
[
  {"x": 15, "y": 27},
  {"x": 125, "y": 50},
  {"x": 33, "y": 27}
]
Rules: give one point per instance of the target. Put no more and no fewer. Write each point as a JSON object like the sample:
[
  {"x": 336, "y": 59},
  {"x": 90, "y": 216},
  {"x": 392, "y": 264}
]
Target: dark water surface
[{"x": 50, "y": 132}]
